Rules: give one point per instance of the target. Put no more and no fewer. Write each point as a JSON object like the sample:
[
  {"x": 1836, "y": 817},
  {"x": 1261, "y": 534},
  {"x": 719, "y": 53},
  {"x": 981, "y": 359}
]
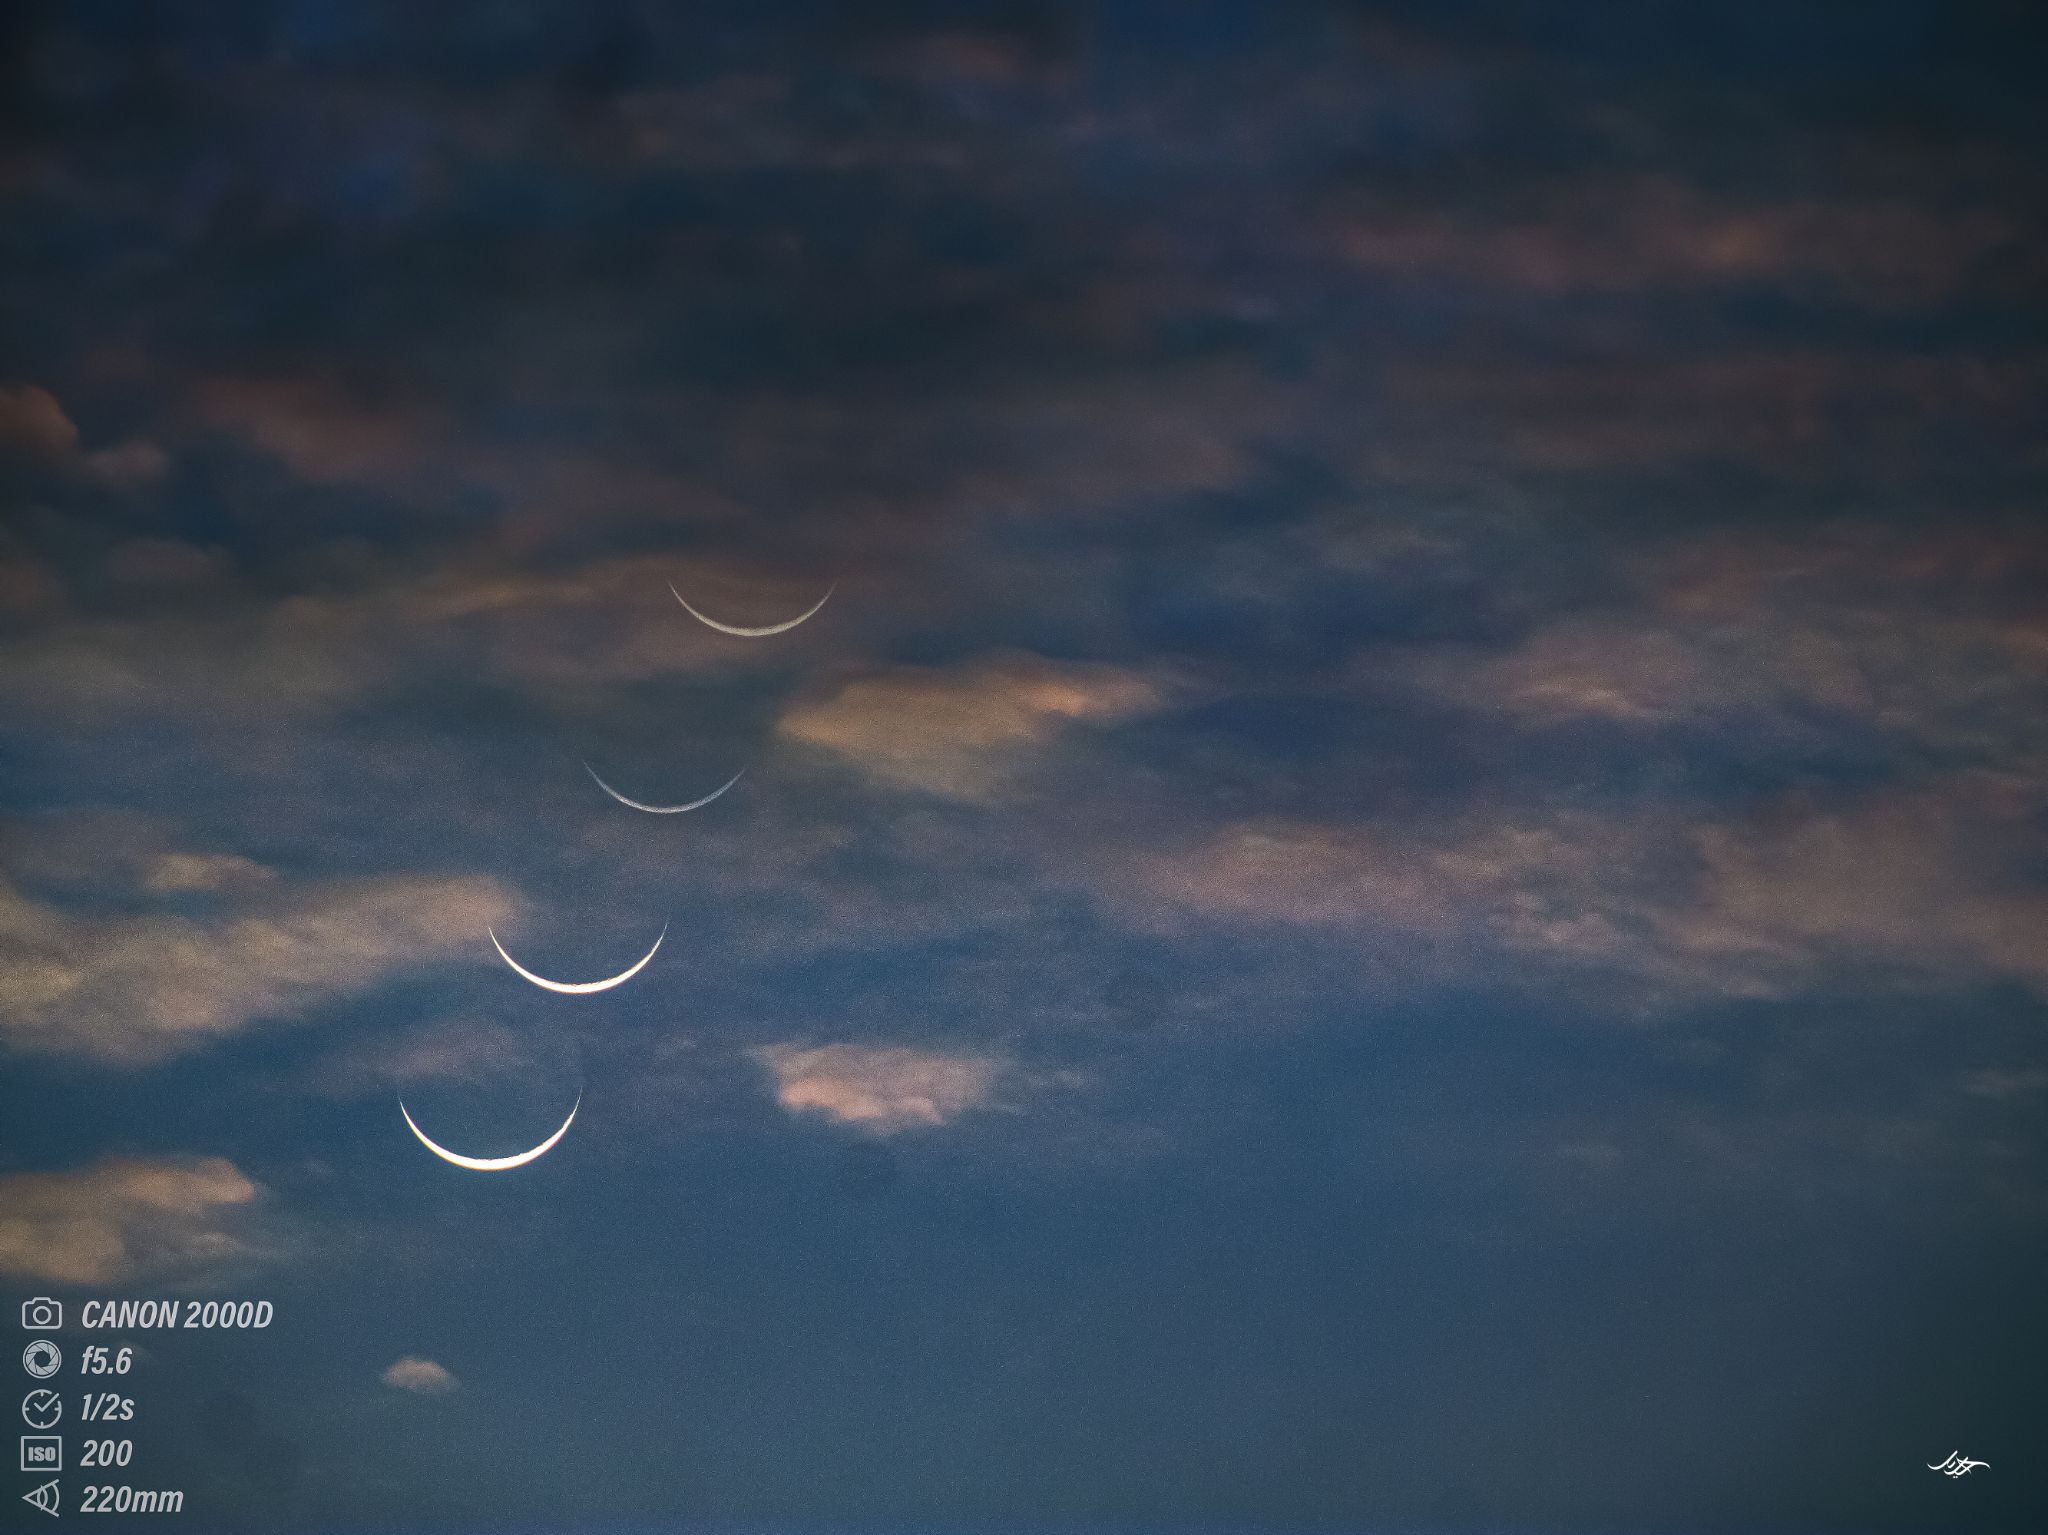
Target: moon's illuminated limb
[
  {"x": 695, "y": 804},
  {"x": 753, "y": 634},
  {"x": 493, "y": 1164},
  {"x": 578, "y": 988}
]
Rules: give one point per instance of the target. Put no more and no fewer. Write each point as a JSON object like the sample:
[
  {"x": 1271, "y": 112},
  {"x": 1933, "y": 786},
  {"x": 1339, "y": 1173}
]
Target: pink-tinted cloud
[
  {"x": 423, "y": 1377},
  {"x": 882, "y": 1089}
]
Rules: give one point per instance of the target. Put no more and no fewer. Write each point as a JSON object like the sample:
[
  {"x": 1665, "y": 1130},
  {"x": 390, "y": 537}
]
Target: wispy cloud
[
  {"x": 129, "y": 990},
  {"x": 567, "y": 625},
  {"x": 1604, "y": 234},
  {"x": 461, "y": 1048},
  {"x": 124, "y": 1218},
  {"x": 35, "y": 425},
  {"x": 1929, "y": 638},
  {"x": 1928, "y": 886}
]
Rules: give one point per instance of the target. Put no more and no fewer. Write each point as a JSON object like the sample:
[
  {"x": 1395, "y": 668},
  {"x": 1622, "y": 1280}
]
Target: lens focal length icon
[{"x": 42, "y": 1359}]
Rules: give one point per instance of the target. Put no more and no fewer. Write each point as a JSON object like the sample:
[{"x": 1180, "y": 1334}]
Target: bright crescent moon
[
  {"x": 578, "y": 988},
  {"x": 753, "y": 634},
  {"x": 695, "y": 804},
  {"x": 493, "y": 1164}
]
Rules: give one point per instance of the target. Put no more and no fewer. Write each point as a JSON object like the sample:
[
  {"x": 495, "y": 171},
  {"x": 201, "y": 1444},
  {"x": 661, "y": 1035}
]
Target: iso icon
[{"x": 42, "y": 1359}]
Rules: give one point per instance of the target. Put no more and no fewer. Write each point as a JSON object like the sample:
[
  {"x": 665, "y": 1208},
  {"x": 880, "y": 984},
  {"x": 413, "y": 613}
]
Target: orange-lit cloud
[
  {"x": 123, "y": 1218},
  {"x": 963, "y": 731}
]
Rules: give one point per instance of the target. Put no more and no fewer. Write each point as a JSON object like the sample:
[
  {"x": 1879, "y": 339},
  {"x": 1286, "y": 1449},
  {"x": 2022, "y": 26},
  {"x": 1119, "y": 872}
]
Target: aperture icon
[{"x": 42, "y": 1359}]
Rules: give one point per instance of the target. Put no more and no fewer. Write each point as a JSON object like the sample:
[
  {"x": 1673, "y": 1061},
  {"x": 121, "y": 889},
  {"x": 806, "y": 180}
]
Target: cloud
[
  {"x": 459, "y": 1049},
  {"x": 165, "y": 563},
  {"x": 127, "y": 465},
  {"x": 33, "y": 423},
  {"x": 2005, "y": 1084},
  {"x": 173, "y": 872},
  {"x": 1930, "y": 638},
  {"x": 880, "y": 1088},
  {"x": 1799, "y": 413},
  {"x": 129, "y": 990},
  {"x": 963, "y": 731},
  {"x": 416, "y": 448},
  {"x": 1571, "y": 886},
  {"x": 422, "y": 1376},
  {"x": 565, "y": 626},
  {"x": 1635, "y": 234},
  {"x": 321, "y": 434},
  {"x": 1928, "y": 886},
  {"x": 1929, "y": 880},
  {"x": 123, "y": 1218}
]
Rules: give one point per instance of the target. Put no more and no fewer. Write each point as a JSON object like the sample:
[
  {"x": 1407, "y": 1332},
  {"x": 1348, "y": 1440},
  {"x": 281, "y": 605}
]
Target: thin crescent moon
[
  {"x": 578, "y": 988},
  {"x": 753, "y": 634},
  {"x": 493, "y": 1164},
  {"x": 695, "y": 804}
]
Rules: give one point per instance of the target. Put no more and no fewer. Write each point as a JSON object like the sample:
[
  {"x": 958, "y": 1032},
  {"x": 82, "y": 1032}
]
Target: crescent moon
[
  {"x": 753, "y": 634},
  {"x": 493, "y": 1164},
  {"x": 695, "y": 804},
  {"x": 578, "y": 988}
]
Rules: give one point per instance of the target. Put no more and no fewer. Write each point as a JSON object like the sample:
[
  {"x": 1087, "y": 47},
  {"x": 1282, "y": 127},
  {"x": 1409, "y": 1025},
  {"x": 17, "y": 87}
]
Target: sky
[{"x": 1401, "y": 889}]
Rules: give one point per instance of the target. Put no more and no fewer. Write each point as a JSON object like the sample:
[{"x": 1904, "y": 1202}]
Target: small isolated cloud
[
  {"x": 879, "y": 1088},
  {"x": 422, "y": 1376},
  {"x": 122, "y": 1219},
  {"x": 130, "y": 990},
  {"x": 961, "y": 731}
]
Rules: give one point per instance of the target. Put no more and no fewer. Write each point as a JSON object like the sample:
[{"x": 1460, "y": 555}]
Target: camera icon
[{"x": 42, "y": 1314}]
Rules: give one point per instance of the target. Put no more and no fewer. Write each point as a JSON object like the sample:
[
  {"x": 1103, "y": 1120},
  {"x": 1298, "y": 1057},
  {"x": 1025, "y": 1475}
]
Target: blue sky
[{"x": 1401, "y": 887}]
